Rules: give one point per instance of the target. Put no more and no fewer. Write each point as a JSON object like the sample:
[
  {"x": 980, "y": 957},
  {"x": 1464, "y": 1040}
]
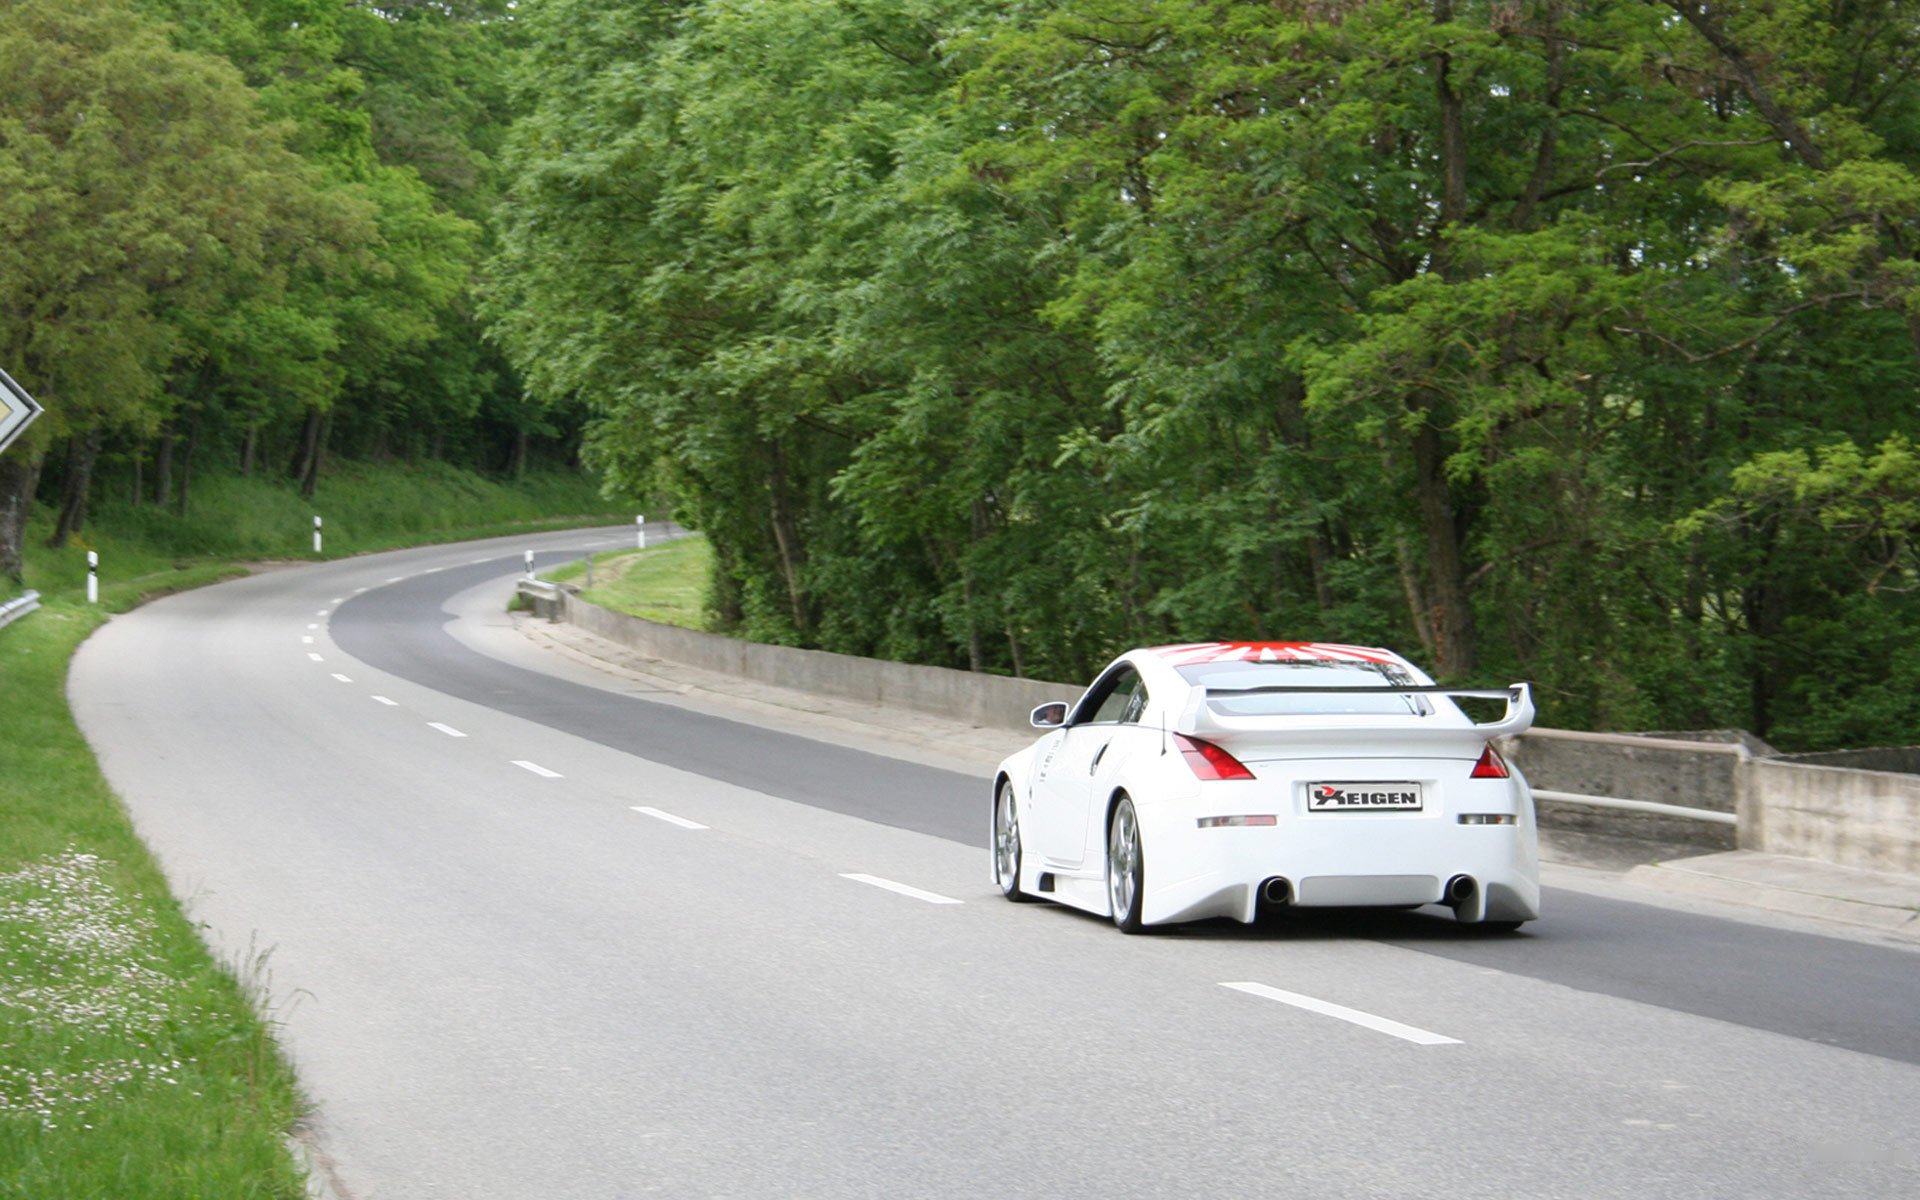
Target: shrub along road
[{"x": 550, "y": 938}]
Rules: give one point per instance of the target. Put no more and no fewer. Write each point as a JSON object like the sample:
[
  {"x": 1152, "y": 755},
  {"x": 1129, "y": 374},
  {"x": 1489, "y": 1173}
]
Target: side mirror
[{"x": 1051, "y": 715}]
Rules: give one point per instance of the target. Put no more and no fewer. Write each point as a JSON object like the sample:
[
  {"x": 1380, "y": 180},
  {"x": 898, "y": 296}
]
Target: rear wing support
[{"x": 1517, "y": 718}]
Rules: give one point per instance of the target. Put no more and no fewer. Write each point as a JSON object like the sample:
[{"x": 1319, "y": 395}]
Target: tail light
[
  {"x": 1491, "y": 765},
  {"x": 1210, "y": 761}
]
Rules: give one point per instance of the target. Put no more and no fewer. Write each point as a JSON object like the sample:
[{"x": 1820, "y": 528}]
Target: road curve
[{"x": 534, "y": 939}]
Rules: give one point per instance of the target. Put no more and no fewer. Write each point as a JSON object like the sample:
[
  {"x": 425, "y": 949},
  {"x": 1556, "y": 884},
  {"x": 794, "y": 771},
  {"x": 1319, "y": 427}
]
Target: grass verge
[
  {"x": 665, "y": 583},
  {"x": 131, "y": 1063}
]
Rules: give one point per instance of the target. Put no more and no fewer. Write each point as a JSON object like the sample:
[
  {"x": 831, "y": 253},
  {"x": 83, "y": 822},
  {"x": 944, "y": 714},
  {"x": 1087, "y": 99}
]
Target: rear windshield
[{"x": 1231, "y": 677}]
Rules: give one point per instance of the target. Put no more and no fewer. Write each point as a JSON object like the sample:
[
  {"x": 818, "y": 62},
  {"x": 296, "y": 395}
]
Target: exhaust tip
[
  {"x": 1276, "y": 891},
  {"x": 1460, "y": 889}
]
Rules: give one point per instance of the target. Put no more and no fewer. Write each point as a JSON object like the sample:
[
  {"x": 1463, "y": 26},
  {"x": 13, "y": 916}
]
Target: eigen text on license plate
[{"x": 1363, "y": 797}]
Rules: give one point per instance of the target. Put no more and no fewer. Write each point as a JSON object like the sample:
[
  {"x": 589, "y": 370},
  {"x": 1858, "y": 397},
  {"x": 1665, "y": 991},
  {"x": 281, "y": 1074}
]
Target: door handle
[{"x": 1098, "y": 755}]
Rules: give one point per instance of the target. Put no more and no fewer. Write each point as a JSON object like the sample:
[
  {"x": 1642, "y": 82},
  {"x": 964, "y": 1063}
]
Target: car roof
[{"x": 1195, "y": 653}]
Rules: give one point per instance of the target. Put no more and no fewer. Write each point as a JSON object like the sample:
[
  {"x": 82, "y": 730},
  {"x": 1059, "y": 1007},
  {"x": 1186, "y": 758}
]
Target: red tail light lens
[
  {"x": 1491, "y": 766},
  {"x": 1210, "y": 761}
]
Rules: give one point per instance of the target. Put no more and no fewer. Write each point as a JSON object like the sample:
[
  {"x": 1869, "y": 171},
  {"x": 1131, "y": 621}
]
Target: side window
[{"x": 1123, "y": 702}]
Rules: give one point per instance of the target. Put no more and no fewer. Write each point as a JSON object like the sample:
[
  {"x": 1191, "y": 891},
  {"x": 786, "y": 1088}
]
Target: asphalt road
[{"x": 532, "y": 937}]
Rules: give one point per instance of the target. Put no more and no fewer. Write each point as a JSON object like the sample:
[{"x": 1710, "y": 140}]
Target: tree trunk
[
  {"x": 976, "y": 650},
  {"x": 163, "y": 470},
  {"x": 1453, "y": 131},
  {"x": 786, "y": 538},
  {"x": 517, "y": 468},
  {"x": 84, "y": 453},
  {"x": 312, "y": 453},
  {"x": 1451, "y": 611},
  {"x": 306, "y": 459},
  {"x": 19, "y": 475},
  {"x": 186, "y": 460},
  {"x": 247, "y": 447},
  {"x": 1416, "y": 602}
]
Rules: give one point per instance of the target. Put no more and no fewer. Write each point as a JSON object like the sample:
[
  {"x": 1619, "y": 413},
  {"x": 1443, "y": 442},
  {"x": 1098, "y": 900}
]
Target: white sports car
[{"x": 1209, "y": 780}]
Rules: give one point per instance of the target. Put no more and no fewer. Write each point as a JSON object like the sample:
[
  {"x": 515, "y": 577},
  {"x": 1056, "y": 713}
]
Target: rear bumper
[{"x": 1338, "y": 860}]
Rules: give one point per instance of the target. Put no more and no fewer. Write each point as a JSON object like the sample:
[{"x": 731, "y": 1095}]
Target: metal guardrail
[
  {"x": 1643, "y": 743},
  {"x": 544, "y": 594},
  {"x": 1711, "y": 815},
  {"x": 18, "y": 607}
]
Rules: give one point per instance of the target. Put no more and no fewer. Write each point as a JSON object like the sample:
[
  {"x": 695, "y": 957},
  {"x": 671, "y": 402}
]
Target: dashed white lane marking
[
  {"x": 313, "y": 626},
  {"x": 315, "y": 657},
  {"x": 536, "y": 768},
  {"x": 358, "y": 590},
  {"x": 1342, "y": 1013},
  {"x": 323, "y": 612},
  {"x": 478, "y": 561},
  {"x": 902, "y": 889},
  {"x": 387, "y": 702},
  {"x": 395, "y": 578},
  {"x": 338, "y": 600},
  {"x": 668, "y": 817},
  {"x": 341, "y": 678},
  {"x": 449, "y": 730},
  {"x": 307, "y": 640}
]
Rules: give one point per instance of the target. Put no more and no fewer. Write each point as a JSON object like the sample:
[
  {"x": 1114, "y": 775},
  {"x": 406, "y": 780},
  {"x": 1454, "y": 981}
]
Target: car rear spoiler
[{"x": 1199, "y": 720}]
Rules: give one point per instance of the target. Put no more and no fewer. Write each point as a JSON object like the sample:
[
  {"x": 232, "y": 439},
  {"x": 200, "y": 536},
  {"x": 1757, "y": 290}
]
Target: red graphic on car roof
[{"x": 1193, "y": 653}]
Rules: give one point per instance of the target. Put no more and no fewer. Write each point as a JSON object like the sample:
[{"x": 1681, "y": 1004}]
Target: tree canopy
[
  {"x": 249, "y": 228},
  {"x": 1572, "y": 341}
]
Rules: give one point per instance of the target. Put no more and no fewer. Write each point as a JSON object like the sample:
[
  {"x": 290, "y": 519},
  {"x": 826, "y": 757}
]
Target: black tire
[
  {"x": 1006, "y": 844},
  {"x": 1500, "y": 926},
  {"x": 1126, "y": 868}
]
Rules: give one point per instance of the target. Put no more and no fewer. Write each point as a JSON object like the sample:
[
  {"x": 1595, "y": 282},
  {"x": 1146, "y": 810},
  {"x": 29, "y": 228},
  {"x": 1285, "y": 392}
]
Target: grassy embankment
[
  {"x": 665, "y": 583},
  {"x": 131, "y": 1063}
]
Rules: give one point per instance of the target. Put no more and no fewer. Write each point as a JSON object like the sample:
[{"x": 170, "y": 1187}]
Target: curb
[{"x": 1689, "y": 877}]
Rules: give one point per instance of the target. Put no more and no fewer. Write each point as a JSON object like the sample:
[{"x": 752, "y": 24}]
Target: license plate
[{"x": 1363, "y": 797}]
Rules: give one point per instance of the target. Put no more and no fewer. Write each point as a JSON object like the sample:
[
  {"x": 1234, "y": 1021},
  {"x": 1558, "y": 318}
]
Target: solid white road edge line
[
  {"x": 384, "y": 700},
  {"x": 341, "y": 678},
  {"x": 1342, "y": 1013},
  {"x": 536, "y": 768},
  {"x": 902, "y": 889},
  {"x": 668, "y": 817},
  {"x": 449, "y": 730}
]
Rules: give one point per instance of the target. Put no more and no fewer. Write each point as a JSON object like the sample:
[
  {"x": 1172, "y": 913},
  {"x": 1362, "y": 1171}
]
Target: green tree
[{"x": 135, "y": 179}]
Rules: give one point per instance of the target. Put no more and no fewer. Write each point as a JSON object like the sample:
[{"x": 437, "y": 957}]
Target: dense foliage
[
  {"x": 236, "y": 233},
  {"x": 1566, "y": 339}
]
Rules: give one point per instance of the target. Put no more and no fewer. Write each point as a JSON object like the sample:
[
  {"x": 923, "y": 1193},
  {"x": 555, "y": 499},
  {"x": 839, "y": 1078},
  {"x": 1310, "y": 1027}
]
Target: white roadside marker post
[
  {"x": 640, "y": 540},
  {"x": 316, "y": 533},
  {"x": 529, "y": 564},
  {"x": 93, "y": 577}
]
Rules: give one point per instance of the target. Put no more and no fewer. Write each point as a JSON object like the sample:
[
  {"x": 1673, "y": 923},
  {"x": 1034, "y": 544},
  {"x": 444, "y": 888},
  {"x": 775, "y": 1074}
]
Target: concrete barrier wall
[
  {"x": 1903, "y": 759},
  {"x": 990, "y": 701},
  {"x": 1868, "y": 819},
  {"x": 1699, "y": 773},
  {"x": 1865, "y": 819}
]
